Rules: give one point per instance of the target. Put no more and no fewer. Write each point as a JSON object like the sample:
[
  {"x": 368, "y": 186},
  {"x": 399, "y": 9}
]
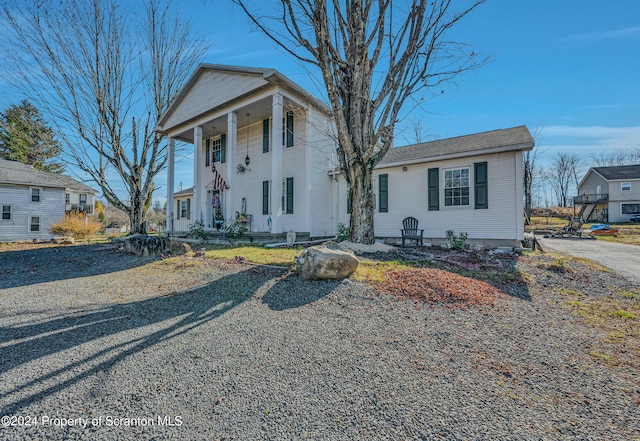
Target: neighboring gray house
[
  {"x": 614, "y": 192},
  {"x": 33, "y": 200}
]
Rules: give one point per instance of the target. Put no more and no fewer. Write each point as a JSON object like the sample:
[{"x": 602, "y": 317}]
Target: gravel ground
[{"x": 190, "y": 348}]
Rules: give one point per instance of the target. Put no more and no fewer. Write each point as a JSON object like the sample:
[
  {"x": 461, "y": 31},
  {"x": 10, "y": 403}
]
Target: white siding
[
  {"x": 408, "y": 197},
  {"x": 50, "y": 209},
  {"x": 320, "y": 149},
  {"x": 211, "y": 90}
]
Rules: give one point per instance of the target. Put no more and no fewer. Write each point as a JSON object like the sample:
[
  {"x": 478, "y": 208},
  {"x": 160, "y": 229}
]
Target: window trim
[
  {"x": 31, "y": 224},
  {"x": 468, "y": 186},
  {"x": 216, "y": 153},
  {"x": 31, "y": 189},
  {"x": 3, "y": 212}
]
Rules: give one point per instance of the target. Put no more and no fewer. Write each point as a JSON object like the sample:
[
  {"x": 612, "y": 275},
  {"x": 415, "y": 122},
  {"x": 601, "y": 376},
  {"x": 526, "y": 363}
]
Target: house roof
[
  {"x": 185, "y": 192},
  {"x": 14, "y": 172},
  {"x": 618, "y": 172},
  {"x": 495, "y": 141},
  {"x": 269, "y": 77}
]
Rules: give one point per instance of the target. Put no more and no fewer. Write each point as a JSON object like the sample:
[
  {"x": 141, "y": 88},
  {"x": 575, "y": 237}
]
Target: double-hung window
[
  {"x": 34, "y": 225},
  {"x": 287, "y": 129},
  {"x": 83, "y": 199},
  {"x": 6, "y": 212},
  {"x": 35, "y": 195},
  {"x": 456, "y": 187},
  {"x": 216, "y": 149}
]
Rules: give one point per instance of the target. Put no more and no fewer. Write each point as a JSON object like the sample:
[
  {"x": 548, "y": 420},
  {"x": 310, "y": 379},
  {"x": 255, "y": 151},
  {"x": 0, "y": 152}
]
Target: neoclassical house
[{"x": 264, "y": 148}]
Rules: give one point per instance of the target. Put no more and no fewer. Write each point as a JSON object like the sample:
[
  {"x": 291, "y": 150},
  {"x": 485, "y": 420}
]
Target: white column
[
  {"x": 276, "y": 164},
  {"x": 232, "y": 147},
  {"x": 171, "y": 157},
  {"x": 197, "y": 174}
]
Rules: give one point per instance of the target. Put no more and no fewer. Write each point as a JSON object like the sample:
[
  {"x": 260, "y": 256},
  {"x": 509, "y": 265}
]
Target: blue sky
[{"x": 566, "y": 68}]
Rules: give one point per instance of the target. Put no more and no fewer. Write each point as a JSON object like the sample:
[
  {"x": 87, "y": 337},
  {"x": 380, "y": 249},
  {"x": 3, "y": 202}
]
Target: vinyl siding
[
  {"x": 408, "y": 196},
  {"x": 211, "y": 90},
  {"x": 50, "y": 209}
]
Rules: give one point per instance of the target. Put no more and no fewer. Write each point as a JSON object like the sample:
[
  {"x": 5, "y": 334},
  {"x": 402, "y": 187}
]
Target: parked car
[{"x": 635, "y": 218}]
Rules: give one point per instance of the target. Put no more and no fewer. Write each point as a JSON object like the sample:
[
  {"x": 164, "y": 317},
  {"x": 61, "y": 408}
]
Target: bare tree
[
  {"x": 563, "y": 172},
  {"x": 373, "y": 55},
  {"x": 104, "y": 73},
  {"x": 615, "y": 157}
]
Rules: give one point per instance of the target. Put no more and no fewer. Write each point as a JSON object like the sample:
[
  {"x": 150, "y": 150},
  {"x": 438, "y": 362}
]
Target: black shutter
[
  {"x": 289, "y": 129},
  {"x": 223, "y": 148},
  {"x": 383, "y": 193},
  {"x": 265, "y": 197},
  {"x": 433, "y": 178},
  {"x": 265, "y": 135},
  {"x": 481, "y": 182},
  {"x": 207, "y": 153},
  {"x": 178, "y": 212},
  {"x": 289, "y": 195},
  {"x": 189, "y": 208}
]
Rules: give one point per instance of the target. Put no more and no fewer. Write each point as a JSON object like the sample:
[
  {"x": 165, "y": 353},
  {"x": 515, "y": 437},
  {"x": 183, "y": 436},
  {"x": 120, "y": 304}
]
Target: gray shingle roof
[
  {"x": 502, "y": 140},
  {"x": 14, "y": 172},
  {"x": 619, "y": 172}
]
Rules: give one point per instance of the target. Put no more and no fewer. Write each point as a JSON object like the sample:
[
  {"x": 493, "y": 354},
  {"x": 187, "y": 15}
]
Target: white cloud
[{"x": 629, "y": 32}]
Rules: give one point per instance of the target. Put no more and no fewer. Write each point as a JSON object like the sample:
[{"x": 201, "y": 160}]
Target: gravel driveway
[
  {"x": 622, "y": 258},
  {"x": 188, "y": 348}
]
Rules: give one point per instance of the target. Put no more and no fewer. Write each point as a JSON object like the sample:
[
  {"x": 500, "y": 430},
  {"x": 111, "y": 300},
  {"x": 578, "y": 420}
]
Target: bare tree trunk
[{"x": 362, "y": 211}]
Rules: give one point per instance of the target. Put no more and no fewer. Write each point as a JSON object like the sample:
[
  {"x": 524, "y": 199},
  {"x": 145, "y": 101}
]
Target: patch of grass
[
  {"x": 373, "y": 271},
  {"x": 559, "y": 265},
  {"x": 264, "y": 256},
  {"x": 569, "y": 292},
  {"x": 624, "y": 314},
  {"x": 600, "y": 356},
  {"x": 628, "y": 294}
]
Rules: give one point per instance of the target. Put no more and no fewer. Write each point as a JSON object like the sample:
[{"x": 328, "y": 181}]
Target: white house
[
  {"x": 264, "y": 147},
  {"x": 33, "y": 200}
]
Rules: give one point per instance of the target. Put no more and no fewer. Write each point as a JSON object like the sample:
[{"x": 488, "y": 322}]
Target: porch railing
[{"x": 590, "y": 199}]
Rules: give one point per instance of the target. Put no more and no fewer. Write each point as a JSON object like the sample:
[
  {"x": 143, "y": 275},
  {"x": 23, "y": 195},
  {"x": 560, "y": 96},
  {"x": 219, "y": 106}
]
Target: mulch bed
[{"x": 438, "y": 286}]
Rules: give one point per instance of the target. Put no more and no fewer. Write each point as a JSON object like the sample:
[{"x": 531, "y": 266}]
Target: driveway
[{"x": 621, "y": 258}]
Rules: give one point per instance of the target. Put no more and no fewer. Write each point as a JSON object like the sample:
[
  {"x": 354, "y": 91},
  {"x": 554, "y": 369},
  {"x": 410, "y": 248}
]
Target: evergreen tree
[{"x": 26, "y": 137}]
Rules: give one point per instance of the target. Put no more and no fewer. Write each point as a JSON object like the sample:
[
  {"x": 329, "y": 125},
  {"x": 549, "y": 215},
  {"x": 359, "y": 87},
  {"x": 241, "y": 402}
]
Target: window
[
  {"x": 207, "y": 153},
  {"x": 287, "y": 129},
  {"x": 83, "y": 198},
  {"x": 265, "y": 197},
  {"x": 35, "y": 195},
  {"x": 383, "y": 193},
  {"x": 625, "y": 186},
  {"x": 67, "y": 198},
  {"x": 184, "y": 209},
  {"x": 630, "y": 208},
  {"x": 287, "y": 195},
  {"x": 265, "y": 136},
  {"x": 456, "y": 187},
  {"x": 34, "y": 226},
  {"x": 6, "y": 212},
  {"x": 216, "y": 148}
]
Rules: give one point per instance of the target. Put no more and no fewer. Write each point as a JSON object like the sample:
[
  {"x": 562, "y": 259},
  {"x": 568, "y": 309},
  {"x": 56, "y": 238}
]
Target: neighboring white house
[
  {"x": 182, "y": 204},
  {"x": 33, "y": 200},
  {"x": 615, "y": 191},
  {"x": 264, "y": 147}
]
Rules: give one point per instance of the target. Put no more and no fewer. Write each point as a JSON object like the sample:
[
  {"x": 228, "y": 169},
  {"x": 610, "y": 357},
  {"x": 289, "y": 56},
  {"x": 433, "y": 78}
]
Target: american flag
[{"x": 218, "y": 182}]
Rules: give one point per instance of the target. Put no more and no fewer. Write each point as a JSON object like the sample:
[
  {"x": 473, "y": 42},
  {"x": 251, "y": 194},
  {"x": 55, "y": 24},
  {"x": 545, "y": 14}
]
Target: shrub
[
  {"x": 234, "y": 230},
  {"x": 344, "y": 233},
  {"x": 457, "y": 241},
  {"x": 197, "y": 231},
  {"x": 76, "y": 225}
]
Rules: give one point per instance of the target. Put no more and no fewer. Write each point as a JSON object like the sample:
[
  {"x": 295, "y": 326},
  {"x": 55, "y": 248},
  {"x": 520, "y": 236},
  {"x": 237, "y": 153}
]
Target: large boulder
[
  {"x": 327, "y": 261},
  {"x": 143, "y": 245}
]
